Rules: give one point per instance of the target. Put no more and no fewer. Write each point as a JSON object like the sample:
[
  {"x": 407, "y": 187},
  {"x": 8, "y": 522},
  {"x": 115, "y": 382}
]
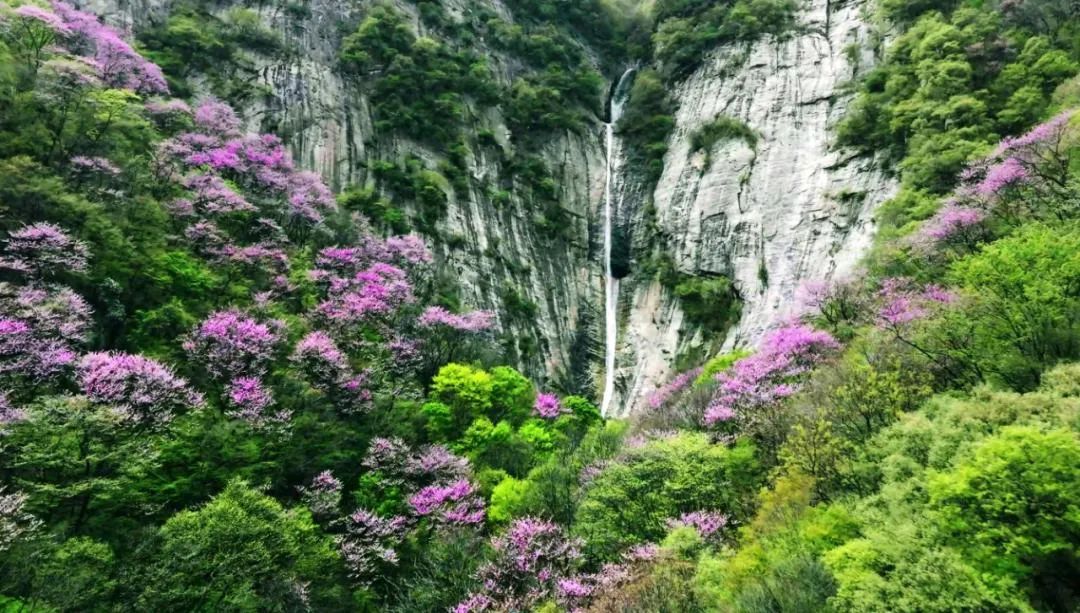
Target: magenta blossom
[
  {"x": 770, "y": 375},
  {"x": 230, "y": 344},
  {"x": 454, "y": 504},
  {"x": 476, "y": 321},
  {"x": 140, "y": 390},
  {"x": 547, "y": 406},
  {"x": 250, "y": 401}
]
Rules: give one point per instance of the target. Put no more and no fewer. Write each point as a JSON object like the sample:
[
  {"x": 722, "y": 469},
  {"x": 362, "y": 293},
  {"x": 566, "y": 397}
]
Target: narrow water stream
[{"x": 611, "y": 286}]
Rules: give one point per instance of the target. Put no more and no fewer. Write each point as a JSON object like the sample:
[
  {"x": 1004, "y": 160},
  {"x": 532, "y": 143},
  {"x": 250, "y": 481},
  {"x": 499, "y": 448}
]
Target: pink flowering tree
[
  {"x": 41, "y": 331},
  {"x": 140, "y": 391},
  {"x": 406, "y": 493},
  {"x": 117, "y": 63},
  {"x": 710, "y": 525},
  {"x": 230, "y": 344},
  {"x": 447, "y": 336},
  {"x": 750, "y": 395},
  {"x": 1027, "y": 175},
  {"x": 41, "y": 250},
  {"x": 323, "y": 496},
  {"x": 530, "y": 560},
  {"x": 368, "y": 544}
]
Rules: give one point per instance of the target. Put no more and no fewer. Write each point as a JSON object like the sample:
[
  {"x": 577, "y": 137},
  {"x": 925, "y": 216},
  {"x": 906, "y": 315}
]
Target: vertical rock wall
[{"x": 769, "y": 216}]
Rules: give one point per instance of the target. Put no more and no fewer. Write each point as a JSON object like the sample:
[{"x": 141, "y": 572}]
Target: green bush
[{"x": 628, "y": 502}]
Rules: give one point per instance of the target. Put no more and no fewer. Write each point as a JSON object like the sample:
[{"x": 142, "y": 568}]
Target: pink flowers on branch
[
  {"x": 455, "y": 504},
  {"x": 531, "y": 558},
  {"x": 547, "y": 406},
  {"x": 476, "y": 321},
  {"x": 903, "y": 302},
  {"x": 772, "y": 374},
  {"x": 708, "y": 524},
  {"x": 118, "y": 64},
  {"x": 141, "y": 391},
  {"x": 42, "y": 249},
  {"x": 230, "y": 344}
]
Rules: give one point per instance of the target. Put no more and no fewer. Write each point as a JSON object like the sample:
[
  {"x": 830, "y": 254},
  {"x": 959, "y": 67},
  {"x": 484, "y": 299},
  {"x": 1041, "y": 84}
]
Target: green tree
[{"x": 242, "y": 551}]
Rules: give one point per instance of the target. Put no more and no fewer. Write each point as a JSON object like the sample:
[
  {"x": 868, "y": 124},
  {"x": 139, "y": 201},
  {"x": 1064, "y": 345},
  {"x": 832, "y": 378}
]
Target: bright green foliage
[
  {"x": 721, "y": 129},
  {"x": 648, "y": 121},
  {"x": 1013, "y": 505},
  {"x": 629, "y": 502},
  {"x": 709, "y": 302},
  {"x": 465, "y": 392},
  {"x": 775, "y": 567},
  {"x": 241, "y": 552},
  {"x": 688, "y": 29},
  {"x": 1025, "y": 312},
  {"x": 507, "y": 499},
  {"x": 512, "y": 395},
  {"x": 718, "y": 365},
  {"x": 911, "y": 576}
]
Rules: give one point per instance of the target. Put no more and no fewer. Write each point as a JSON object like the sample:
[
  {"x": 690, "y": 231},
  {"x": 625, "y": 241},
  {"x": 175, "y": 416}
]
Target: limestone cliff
[
  {"x": 769, "y": 215},
  {"x": 485, "y": 246}
]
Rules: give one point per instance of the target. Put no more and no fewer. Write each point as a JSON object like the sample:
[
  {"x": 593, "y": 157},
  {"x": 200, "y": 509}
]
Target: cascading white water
[{"x": 611, "y": 287}]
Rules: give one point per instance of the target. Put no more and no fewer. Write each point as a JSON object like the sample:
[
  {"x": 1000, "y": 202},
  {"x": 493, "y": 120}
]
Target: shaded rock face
[
  {"x": 789, "y": 206},
  {"x": 328, "y": 125},
  {"x": 769, "y": 216}
]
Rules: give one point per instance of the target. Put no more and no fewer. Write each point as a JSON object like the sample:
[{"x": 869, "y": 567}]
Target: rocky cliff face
[
  {"x": 768, "y": 216},
  {"x": 491, "y": 246}
]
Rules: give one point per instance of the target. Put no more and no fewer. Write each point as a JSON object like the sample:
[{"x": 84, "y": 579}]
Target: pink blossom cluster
[
  {"x": 257, "y": 164},
  {"x": 368, "y": 542},
  {"x": 531, "y": 558},
  {"x": 953, "y": 222},
  {"x": 139, "y": 390},
  {"x": 455, "y": 504},
  {"x": 903, "y": 301},
  {"x": 547, "y": 406},
  {"x": 403, "y": 251},
  {"x": 118, "y": 65},
  {"x": 707, "y": 523},
  {"x": 320, "y": 359},
  {"x": 436, "y": 485},
  {"x": 9, "y": 415},
  {"x": 369, "y": 297},
  {"x": 1031, "y": 159},
  {"x": 168, "y": 108},
  {"x": 230, "y": 344},
  {"x": 1005, "y": 174},
  {"x": 1043, "y": 135},
  {"x": 50, "y": 20},
  {"x": 674, "y": 387},
  {"x": 398, "y": 465},
  {"x": 43, "y": 248},
  {"x": 40, "y": 327},
  {"x": 475, "y": 321},
  {"x": 249, "y": 400},
  {"x": 211, "y": 196},
  {"x": 770, "y": 375},
  {"x": 99, "y": 165},
  {"x": 323, "y": 496}
]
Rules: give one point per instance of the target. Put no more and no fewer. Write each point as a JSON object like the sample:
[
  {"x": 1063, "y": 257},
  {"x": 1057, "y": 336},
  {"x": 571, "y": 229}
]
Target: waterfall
[{"x": 611, "y": 285}]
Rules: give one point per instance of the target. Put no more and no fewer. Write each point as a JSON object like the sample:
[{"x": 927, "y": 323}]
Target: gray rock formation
[
  {"x": 790, "y": 206},
  {"x": 770, "y": 216}
]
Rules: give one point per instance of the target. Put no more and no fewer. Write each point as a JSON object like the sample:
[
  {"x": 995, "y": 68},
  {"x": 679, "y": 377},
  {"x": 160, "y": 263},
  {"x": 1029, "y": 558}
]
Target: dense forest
[{"x": 225, "y": 387}]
